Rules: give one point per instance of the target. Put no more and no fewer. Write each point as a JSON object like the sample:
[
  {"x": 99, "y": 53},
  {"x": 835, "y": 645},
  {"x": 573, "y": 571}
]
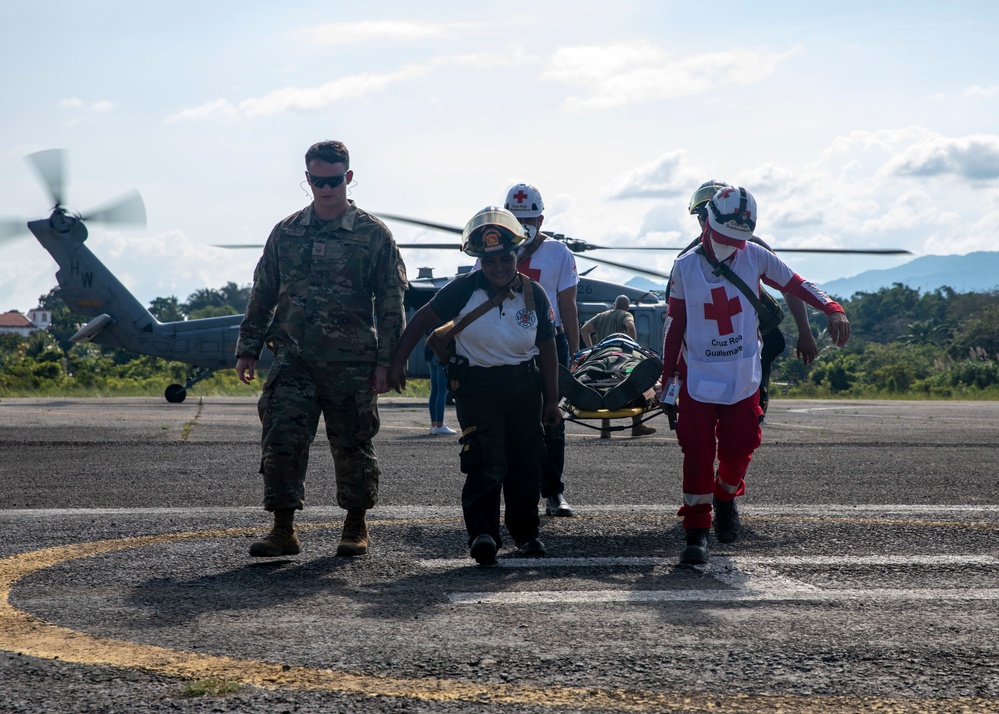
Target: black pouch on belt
[{"x": 456, "y": 370}]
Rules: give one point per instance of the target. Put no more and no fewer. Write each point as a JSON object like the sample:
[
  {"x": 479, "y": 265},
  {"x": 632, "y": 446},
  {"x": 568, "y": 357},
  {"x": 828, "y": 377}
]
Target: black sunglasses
[{"x": 324, "y": 181}]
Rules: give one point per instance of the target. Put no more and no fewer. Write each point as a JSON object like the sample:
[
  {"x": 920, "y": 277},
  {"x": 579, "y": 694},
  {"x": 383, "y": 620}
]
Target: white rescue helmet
[
  {"x": 524, "y": 201},
  {"x": 703, "y": 194},
  {"x": 490, "y": 231},
  {"x": 732, "y": 212}
]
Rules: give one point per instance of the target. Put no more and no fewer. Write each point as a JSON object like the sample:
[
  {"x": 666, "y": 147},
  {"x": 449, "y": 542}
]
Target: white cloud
[
  {"x": 620, "y": 74},
  {"x": 202, "y": 111},
  {"x": 977, "y": 92},
  {"x": 306, "y": 99},
  {"x": 341, "y": 33},
  {"x": 973, "y": 93},
  {"x": 666, "y": 176},
  {"x": 974, "y": 158},
  {"x": 76, "y": 103},
  {"x": 866, "y": 190}
]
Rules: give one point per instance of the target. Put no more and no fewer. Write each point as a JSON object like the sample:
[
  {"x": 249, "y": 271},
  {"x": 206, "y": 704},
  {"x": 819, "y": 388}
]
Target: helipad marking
[
  {"x": 737, "y": 561},
  {"x": 542, "y": 597},
  {"x": 743, "y": 577},
  {"x": 22, "y": 633}
]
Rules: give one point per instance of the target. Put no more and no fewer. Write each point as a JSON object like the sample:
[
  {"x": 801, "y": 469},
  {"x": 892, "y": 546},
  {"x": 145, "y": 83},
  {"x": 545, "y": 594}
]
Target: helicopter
[
  {"x": 119, "y": 320},
  {"x": 89, "y": 288}
]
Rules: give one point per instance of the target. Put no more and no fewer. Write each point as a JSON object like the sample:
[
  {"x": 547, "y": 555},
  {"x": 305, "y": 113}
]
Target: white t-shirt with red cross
[
  {"x": 722, "y": 341},
  {"x": 554, "y": 266}
]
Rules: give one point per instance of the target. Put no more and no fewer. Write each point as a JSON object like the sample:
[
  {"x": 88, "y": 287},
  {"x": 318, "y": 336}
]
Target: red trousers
[{"x": 732, "y": 431}]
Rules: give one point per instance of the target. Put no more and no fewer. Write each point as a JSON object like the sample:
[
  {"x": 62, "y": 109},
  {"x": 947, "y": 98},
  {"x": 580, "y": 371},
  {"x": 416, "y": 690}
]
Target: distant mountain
[{"x": 974, "y": 272}]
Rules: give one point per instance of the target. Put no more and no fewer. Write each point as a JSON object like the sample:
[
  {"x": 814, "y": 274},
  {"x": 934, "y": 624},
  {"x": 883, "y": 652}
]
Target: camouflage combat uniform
[{"x": 328, "y": 299}]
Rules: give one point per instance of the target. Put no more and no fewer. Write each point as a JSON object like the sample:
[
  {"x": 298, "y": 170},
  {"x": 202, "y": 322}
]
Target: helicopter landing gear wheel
[{"x": 175, "y": 393}]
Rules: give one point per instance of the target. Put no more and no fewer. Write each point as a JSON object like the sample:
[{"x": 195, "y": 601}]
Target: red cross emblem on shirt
[
  {"x": 721, "y": 309},
  {"x": 520, "y": 196},
  {"x": 533, "y": 273}
]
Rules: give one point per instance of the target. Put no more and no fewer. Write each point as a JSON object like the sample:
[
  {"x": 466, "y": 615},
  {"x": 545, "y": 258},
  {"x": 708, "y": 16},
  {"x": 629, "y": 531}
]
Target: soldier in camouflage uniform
[{"x": 328, "y": 299}]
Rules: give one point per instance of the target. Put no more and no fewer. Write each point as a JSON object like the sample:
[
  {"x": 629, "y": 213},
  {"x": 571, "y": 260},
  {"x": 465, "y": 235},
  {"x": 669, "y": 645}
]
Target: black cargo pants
[{"x": 502, "y": 449}]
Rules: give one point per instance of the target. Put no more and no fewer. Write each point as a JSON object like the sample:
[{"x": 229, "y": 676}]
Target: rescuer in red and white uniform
[{"x": 712, "y": 346}]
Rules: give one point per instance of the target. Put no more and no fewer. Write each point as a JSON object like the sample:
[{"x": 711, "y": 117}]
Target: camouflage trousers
[{"x": 295, "y": 394}]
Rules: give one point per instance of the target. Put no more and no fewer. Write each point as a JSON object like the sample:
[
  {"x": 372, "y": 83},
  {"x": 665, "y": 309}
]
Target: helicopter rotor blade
[
  {"x": 577, "y": 246},
  {"x": 50, "y": 166},
  {"x": 855, "y": 251},
  {"x": 425, "y": 224},
  {"x": 428, "y": 246},
  {"x": 629, "y": 268},
  {"x": 11, "y": 228},
  {"x": 127, "y": 209}
]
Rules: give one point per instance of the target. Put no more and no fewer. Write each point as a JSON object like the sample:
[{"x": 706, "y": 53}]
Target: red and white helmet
[
  {"x": 732, "y": 212},
  {"x": 524, "y": 201}
]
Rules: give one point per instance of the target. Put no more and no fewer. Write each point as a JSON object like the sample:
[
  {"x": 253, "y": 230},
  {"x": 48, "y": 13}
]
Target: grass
[{"x": 209, "y": 688}]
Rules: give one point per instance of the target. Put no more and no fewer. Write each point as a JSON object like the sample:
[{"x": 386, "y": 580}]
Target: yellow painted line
[{"x": 22, "y": 633}]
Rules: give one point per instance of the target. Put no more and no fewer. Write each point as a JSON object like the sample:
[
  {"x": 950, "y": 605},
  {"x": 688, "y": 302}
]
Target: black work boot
[
  {"x": 354, "y": 539},
  {"x": 282, "y": 540},
  {"x": 483, "y": 549},
  {"x": 696, "y": 551},
  {"x": 727, "y": 526}
]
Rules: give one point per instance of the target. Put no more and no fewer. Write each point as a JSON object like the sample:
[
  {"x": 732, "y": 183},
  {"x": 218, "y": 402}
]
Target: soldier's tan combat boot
[
  {"x": 354, "y": 540},
  {"x": 282, "y": 540}
]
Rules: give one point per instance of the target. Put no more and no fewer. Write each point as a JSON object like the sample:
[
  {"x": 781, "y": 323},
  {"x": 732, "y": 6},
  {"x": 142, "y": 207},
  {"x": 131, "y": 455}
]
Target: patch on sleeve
[{"x": 401, "y": 270}]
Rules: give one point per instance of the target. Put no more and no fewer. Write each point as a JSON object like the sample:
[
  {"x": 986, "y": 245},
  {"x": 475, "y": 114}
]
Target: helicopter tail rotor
[
  {"x": 50, "y": 165},
  {"x": 127, "y": 209}
]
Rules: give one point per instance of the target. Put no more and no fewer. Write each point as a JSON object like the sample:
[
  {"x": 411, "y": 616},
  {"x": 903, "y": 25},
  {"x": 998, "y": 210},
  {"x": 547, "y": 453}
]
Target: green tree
[
  {"x": 64, "y": 323},
  {"x": 166, "y": 309},
  {"x": 230, "y": 295}
]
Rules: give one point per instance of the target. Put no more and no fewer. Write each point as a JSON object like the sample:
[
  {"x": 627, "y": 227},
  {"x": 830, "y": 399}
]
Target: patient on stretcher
[{"x": 614, "y": 374}]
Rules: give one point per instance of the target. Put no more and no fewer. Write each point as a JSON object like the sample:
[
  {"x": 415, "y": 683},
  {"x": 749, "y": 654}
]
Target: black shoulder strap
[
  {"x": 478, "y": 312},
  {"x": 727, "y": 273}
]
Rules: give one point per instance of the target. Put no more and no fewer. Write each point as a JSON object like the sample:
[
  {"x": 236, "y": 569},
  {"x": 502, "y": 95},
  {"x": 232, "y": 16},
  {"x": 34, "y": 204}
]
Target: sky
[{"x": 854, "y": 124}]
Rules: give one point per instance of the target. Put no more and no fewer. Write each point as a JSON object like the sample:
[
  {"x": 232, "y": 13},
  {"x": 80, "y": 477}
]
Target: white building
[{"x": 14, "y": 323}]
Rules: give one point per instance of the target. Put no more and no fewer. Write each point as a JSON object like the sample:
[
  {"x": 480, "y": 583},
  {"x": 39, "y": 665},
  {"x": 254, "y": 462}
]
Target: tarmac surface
[{"x": 865, "y": 579}]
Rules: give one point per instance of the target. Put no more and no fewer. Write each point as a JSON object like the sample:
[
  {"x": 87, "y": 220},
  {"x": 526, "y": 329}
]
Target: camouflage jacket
[{"x": 330, "y": 290}]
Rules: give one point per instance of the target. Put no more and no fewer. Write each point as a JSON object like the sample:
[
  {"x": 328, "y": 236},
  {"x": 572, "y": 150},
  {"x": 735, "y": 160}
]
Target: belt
[
  {"x": 559, "y": 330},
  {"x": 505, "y": 371}
]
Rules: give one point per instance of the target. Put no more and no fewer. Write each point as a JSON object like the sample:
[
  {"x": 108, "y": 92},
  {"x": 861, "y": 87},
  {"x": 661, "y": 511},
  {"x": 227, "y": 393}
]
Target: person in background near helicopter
[
  {"x": 552, "y": 264},
  {"x": 438, "y": 392},
  {"x": 503, "y": 375},
  {"x": 609, "y": 322},
  {"x": 711, "y": 363}
]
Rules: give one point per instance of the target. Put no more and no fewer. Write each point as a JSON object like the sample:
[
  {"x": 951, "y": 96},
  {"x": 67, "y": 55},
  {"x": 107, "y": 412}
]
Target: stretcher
[{"x": 572, "y": 413}]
